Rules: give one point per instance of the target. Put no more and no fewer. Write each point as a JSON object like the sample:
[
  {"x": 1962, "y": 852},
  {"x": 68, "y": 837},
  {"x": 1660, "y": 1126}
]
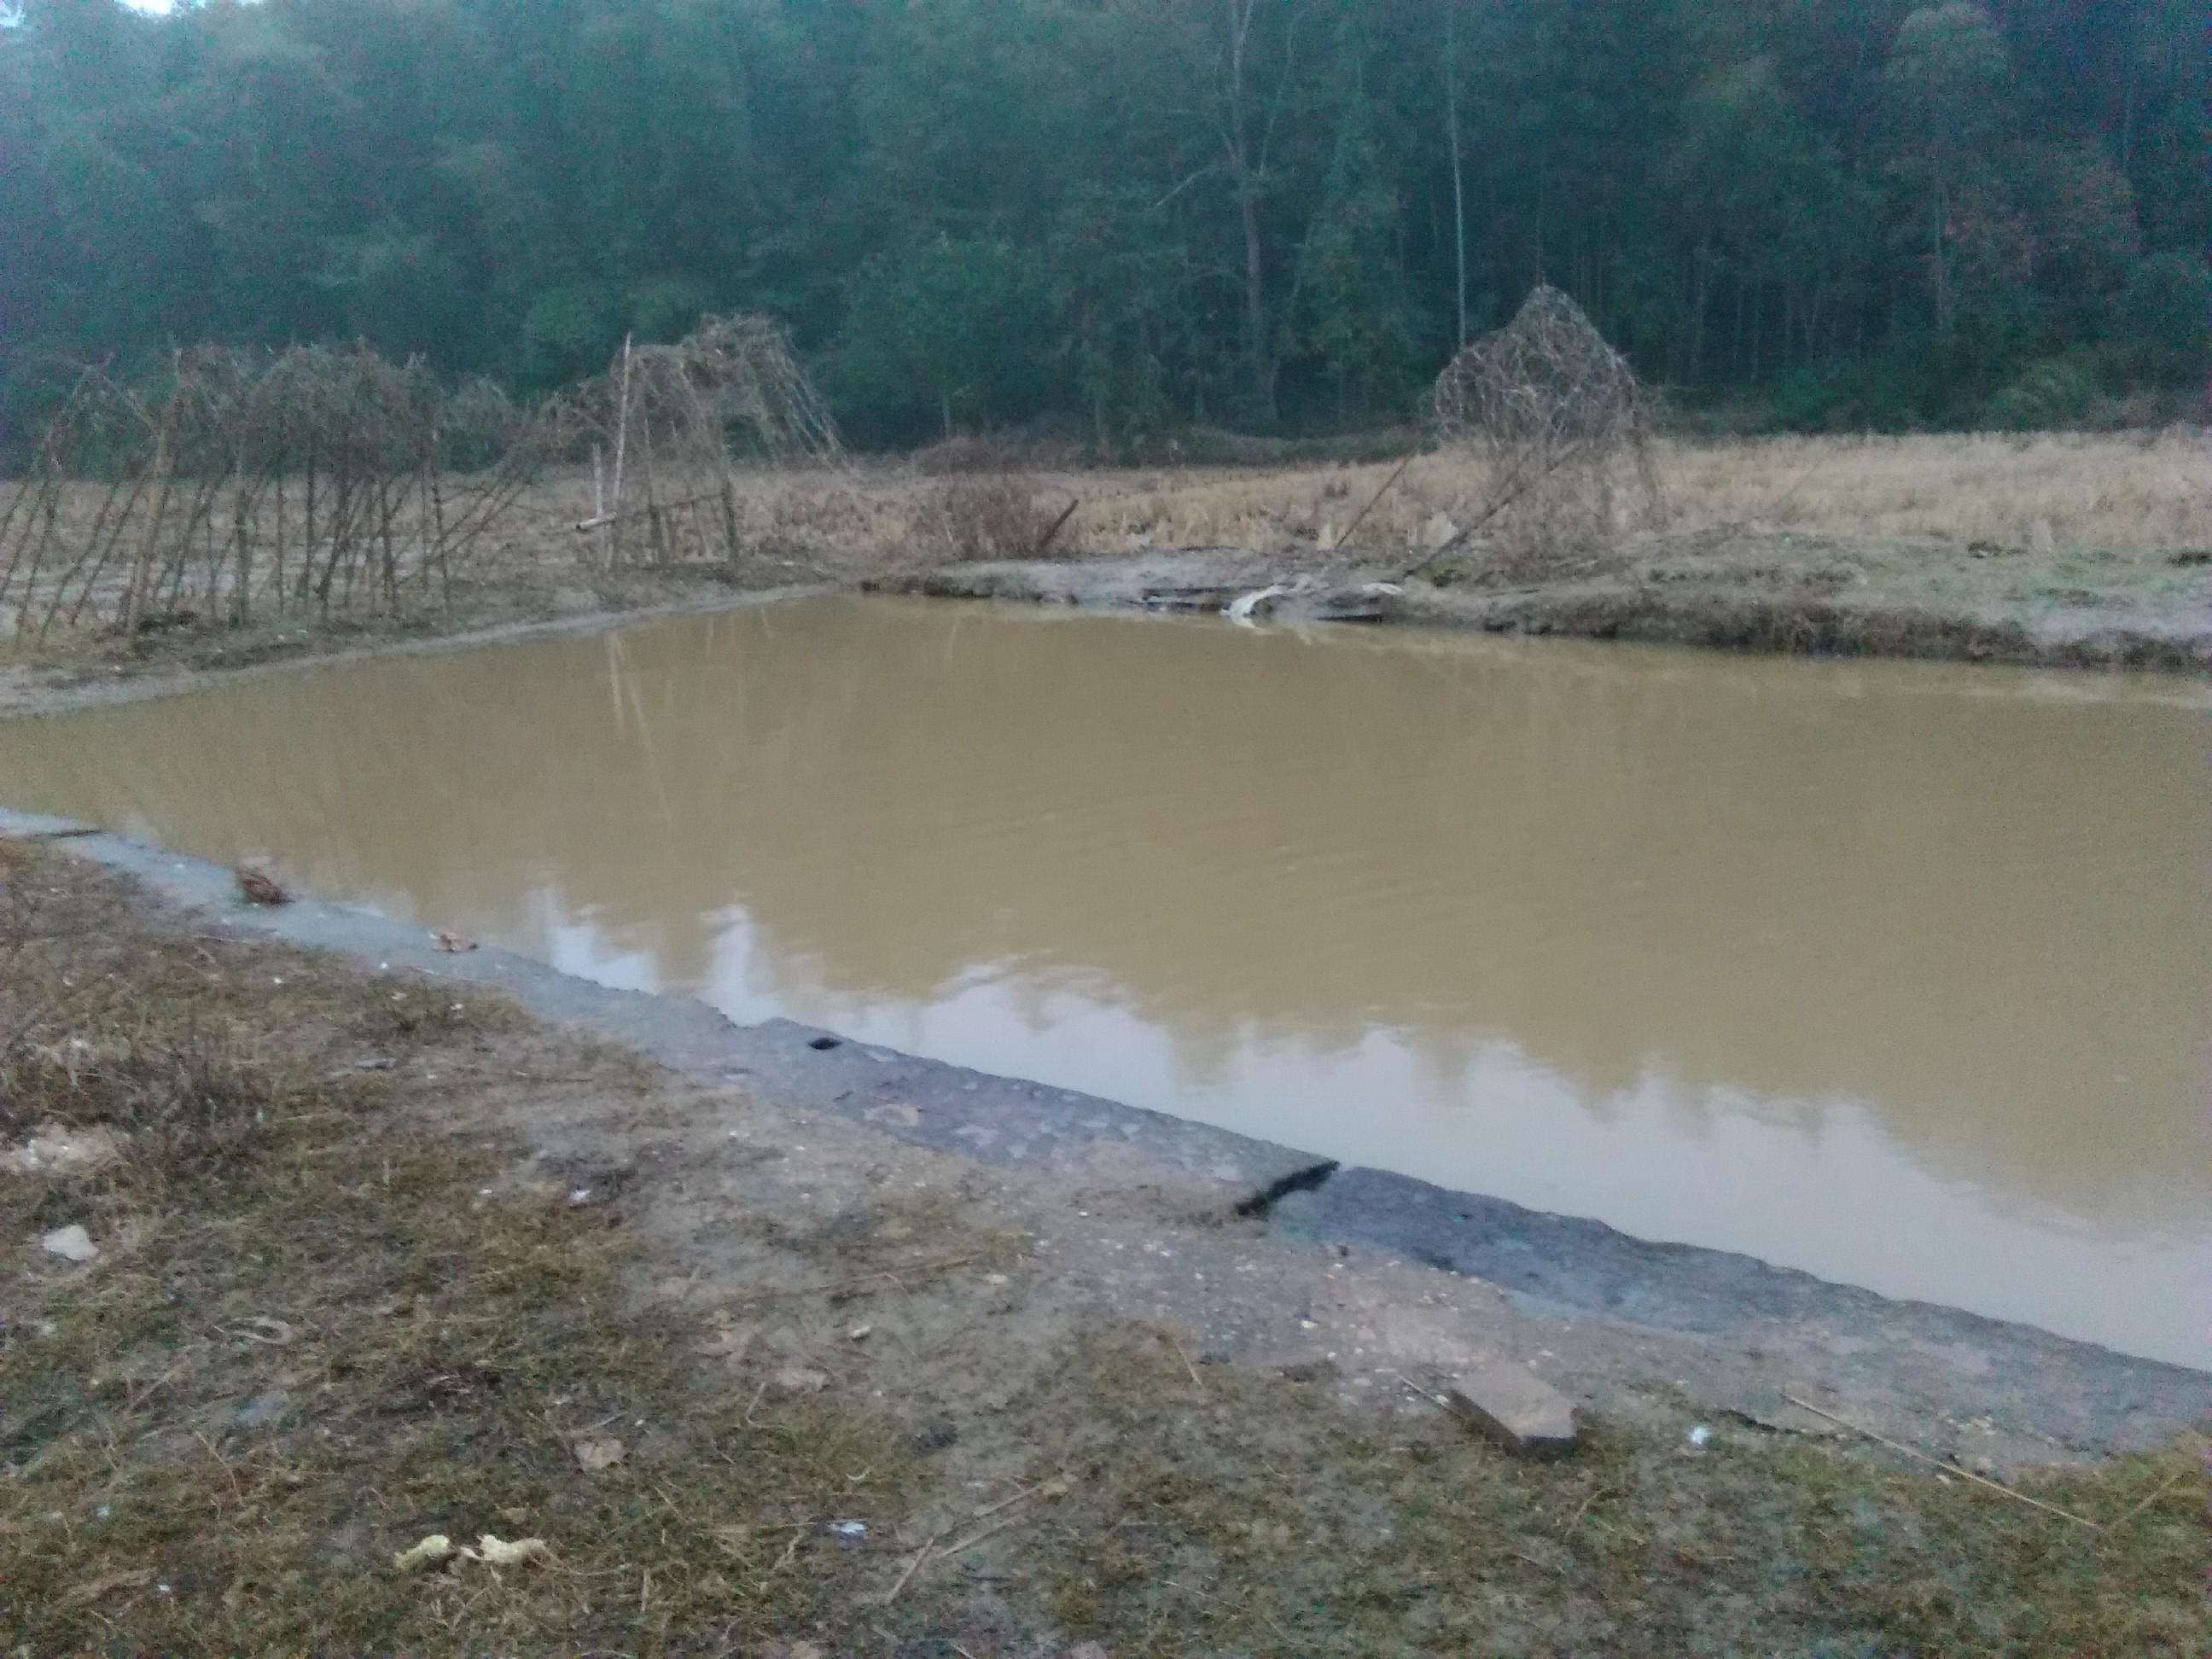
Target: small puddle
[{"x": 1896, "y": 973}]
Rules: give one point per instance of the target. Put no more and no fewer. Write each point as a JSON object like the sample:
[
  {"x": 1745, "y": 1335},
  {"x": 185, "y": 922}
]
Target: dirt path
[{"x": 382, "y": 1256}]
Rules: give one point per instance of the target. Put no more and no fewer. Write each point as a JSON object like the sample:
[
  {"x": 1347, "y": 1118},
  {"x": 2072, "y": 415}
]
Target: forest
[{"x": 1125, "y": 218}]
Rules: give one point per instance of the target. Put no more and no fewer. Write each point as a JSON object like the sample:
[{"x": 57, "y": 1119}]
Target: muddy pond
[{"x": 1896, "y": 973}]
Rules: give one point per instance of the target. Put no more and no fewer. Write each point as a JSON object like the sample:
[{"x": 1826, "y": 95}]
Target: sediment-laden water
[{"x": 1892, "y": 972}]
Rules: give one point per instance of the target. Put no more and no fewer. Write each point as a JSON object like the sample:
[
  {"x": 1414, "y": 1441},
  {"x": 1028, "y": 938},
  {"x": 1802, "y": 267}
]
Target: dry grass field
[
  {"x": 2069, "y": 534},
  {"x": 2037, "y": 493}
]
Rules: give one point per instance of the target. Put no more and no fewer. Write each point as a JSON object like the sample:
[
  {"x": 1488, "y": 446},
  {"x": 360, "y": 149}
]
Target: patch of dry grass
[
  {"x": 1918, "y": 506},
  {"x": 322, "y": 1325},
  {"x": 2051, "y": 490},
  {"x": 1232, "y": 1512}
]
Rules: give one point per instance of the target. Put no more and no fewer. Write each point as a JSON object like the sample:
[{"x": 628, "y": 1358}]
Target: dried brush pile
[
  {"x": 245, "y": 486},
  {"x": 1561, "y": 429},
  {"x": 996, "y": 516},
  {"x": 666, "y": 427}
]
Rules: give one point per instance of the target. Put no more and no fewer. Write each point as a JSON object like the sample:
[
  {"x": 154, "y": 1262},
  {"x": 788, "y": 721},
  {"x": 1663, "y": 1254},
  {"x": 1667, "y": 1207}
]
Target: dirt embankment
[
  {"x": 1733, "y": 591},
  {"x": 2059, "y": 550},
  {"x": 368, "y": 1254}
]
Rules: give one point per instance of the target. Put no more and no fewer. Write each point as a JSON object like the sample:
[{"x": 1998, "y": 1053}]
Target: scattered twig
[
  {"x": 975, "y": 1538},
  {"x": 1052, "y": 1488},
  {"x": 2164, "y": 1486},
  {"x": 1436, "y": 1400},
  {"x": 1197, "y": 1382},
  {"x": 1192, "y": 1589},
  {"x": 139, "y": 1396},
  {"x": 1946, "y": 1467},
  {"x": 912, "y": 1568},
  {"x": 833, "y": 1285},
  {"x": 1595, "y": 1493},
  {"x": 1055, "y": 1487}
]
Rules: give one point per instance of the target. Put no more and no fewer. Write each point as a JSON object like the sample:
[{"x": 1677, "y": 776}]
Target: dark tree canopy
[{"x": 1132, "y": 213}]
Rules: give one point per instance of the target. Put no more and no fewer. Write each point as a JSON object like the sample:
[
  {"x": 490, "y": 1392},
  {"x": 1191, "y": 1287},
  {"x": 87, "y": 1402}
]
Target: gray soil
[{"x": 1254, "y": 1254}]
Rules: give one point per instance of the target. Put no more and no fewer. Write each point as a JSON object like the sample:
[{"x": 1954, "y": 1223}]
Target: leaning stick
[
  {"x": 1045, "y": 540},
  {"x": 1345, "y": 540},
  {"x": 1949, "y": 1469}
]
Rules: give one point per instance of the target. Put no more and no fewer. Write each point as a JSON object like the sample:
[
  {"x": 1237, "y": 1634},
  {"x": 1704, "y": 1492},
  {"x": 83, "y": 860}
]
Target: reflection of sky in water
[
  {"x": 576, "y": 946},
  {"x": 1644, "y": 1158}
]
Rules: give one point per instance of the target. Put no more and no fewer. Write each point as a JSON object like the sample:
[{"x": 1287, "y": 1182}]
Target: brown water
[{"x": 1893, "y": 972}]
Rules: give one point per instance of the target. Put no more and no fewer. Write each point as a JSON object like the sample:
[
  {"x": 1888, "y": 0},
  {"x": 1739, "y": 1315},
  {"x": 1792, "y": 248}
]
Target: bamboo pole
[
  {"x": 622, "y": 442},
  {"x": 134, "y": 598}
]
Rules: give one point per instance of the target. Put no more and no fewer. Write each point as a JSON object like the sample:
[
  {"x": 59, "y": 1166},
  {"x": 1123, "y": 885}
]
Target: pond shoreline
[
  {"x": 1783, "y": 612},
  {"x": 27, "y": 691},
  {"x": 1768, "y": 593},
  {"x": 1618, "y": 1316}
]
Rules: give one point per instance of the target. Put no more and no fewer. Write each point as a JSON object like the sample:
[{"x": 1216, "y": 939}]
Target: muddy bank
[
  {"x": 1278, "y": 1259},
  {"x": 61, "y": 688},
  {"x": 1791, "y": 596}
]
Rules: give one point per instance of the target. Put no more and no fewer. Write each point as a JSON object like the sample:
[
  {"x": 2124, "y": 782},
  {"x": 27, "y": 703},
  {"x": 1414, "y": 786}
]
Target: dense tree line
[{"x": 1275, "y": 214}]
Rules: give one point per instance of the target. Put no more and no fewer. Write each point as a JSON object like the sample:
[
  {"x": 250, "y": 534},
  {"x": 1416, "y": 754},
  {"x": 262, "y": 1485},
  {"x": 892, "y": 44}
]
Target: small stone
[
  {"x": 71, "y": 1243},
  {"x": 52, "y": 1148},
  {"x": 598, "y": 1451},
  {"x": 262, "y": 1410},
  {"x": 801, "y": 1379},
  {"x": 1517, "y": 1408}
]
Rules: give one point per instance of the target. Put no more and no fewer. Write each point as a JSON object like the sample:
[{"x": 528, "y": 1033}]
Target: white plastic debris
[
  {"x": 53, "y": 1148},
  {"x": 849, "y": 1529},
  {"x": 492, "y": 1551},
  {"x": 433, "y": 1550},
  {"x": 1245, "y": 606},
  {"x": 498, "y": 1552},
  {"x": 1700, "y": 1437},
  {"x": 71, "y": 1243}
]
